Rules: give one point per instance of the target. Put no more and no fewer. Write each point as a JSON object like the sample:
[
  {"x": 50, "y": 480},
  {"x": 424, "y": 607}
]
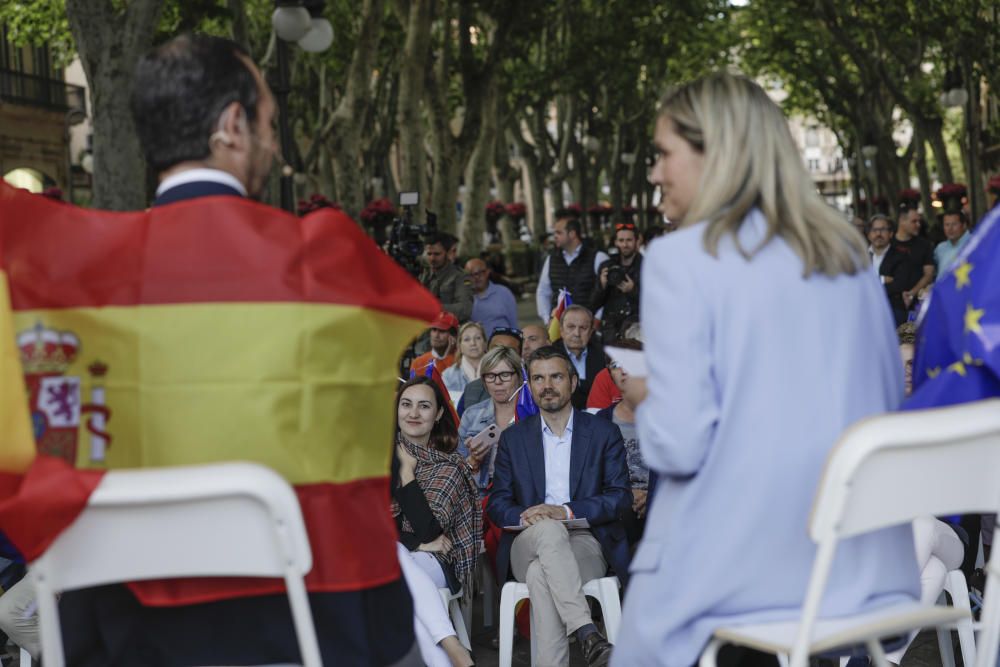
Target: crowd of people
[{"x": 506, "y": 431}]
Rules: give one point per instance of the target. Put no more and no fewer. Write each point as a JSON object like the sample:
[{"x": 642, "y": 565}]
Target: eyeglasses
[
  {"x": 503, "y": 376},
  {"x": 625, "y": 225},
  {"x": 879, "y": 230}
]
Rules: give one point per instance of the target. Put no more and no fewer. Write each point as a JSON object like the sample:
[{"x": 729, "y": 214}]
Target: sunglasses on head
[
  {"x": 507, "y": 331},
  {"x": 624, "y": 225}
]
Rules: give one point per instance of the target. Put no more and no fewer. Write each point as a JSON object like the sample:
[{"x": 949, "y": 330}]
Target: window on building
[{"x": 812, "y": 137}]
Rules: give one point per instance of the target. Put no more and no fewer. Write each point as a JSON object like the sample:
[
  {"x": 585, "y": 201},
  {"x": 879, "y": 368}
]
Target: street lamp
[{"x": 299, "y": 21}]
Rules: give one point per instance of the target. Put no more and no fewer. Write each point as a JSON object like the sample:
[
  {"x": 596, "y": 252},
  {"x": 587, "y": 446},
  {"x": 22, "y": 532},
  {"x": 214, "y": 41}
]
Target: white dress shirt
[
  {"x": 556, "y": 449},
  {"x": 877, "y": 259}
]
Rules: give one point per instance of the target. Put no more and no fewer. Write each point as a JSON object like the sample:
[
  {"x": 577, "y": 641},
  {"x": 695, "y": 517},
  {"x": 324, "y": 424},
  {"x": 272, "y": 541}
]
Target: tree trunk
[
  {"x": 241, "y": 31},
  {"x": 477, "y": 177},
  {"x": 416, "y": 54},
  {"x": 534, "y": 190},
  {"x": 920, "y": 160},
  {"x": 346, "y": 125},
  {"x": 109, "y": 43},
  {"x": 935, "y": 137}
]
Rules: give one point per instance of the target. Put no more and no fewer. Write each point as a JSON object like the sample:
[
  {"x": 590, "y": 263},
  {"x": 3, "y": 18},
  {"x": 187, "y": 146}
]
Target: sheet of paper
[
  {"x": 633, "y": 361},
  {"x": 569, "y": 523}
]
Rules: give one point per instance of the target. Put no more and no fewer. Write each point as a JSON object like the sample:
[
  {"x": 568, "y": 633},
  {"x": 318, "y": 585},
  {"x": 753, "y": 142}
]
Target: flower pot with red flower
[
  {"x": 952, "y": 197},
  {"x": 377, "y": 216}
]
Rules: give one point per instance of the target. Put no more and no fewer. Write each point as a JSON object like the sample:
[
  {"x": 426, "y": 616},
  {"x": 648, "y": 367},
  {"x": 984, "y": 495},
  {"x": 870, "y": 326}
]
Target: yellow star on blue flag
[{"x": 959, "y": 327}]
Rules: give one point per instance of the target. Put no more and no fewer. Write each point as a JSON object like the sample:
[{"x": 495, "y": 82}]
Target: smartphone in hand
[{"x": 485, "y": 440}]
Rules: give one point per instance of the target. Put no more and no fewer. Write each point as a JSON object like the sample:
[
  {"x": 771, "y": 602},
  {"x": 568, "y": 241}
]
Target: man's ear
[
  {"x": 574, "y": 383},
  {"x": 232, "y": 127}
]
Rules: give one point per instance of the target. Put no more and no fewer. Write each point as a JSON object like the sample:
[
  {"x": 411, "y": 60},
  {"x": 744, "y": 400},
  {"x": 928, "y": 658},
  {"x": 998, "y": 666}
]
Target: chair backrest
[
  {"x": 937, "y": 462},
  {"x": 226, "y": 519}
]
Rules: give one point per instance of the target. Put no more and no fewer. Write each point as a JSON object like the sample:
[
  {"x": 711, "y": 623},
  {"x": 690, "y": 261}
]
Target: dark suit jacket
[
  {"x": 599, "y": 488},
  {"x": 193, "y": 190},
  {"x": 595, "y": 363}
]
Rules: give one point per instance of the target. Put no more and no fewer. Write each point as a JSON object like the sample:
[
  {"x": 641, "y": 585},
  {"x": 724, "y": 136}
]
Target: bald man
[
  {"x": 492, "y": 305},
  {"x": 535, "y": 336}
]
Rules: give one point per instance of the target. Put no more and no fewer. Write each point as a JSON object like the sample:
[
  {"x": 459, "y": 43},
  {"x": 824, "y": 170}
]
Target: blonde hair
[
  {"x": 498, "y": 355},
  {"x": 458, "y": 344},
  {"x": 750, "y": 160}
]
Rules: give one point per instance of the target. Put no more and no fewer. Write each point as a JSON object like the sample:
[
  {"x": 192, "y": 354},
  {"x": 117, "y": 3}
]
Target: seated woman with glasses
[
  {"x": 471, "y": 346},
  {"x": 500, "y": 371},
  {"x": 434, "y": 503}
]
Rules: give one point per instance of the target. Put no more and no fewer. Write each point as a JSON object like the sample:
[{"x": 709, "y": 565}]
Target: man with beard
[
  {"x": 204, "y": 116},
  {"x": 445, "y": 280},
  {"x": 560, "y": 464},
  {"x": 617, "y": 291}
]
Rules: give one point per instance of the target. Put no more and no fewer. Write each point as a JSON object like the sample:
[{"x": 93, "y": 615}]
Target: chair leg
[
  {"x": 782, "y": 659},
  {"x": 945, "y": 647},
  {"x": 877, "y": 653},
  {"x": 958, "y": 589},
  {"x": 507, "y": 604},
  {"x": 710, "y": 653},
  {"x": 25, "y": 659},
  {"x": 611, "y": 608},
  {"x": 458, "y": 620}
]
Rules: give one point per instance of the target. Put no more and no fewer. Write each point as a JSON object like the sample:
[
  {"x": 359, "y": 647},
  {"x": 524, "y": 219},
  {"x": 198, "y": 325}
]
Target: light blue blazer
[{"x": 754, "y": 373}]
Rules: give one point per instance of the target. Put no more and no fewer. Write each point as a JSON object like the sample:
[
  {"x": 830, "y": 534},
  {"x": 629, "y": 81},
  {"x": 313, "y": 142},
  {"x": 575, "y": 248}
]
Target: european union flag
[
  {"x": 958, "y": 334},
  {"x": 525, "y": 401}
]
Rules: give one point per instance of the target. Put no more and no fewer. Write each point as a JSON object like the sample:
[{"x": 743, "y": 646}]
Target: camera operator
[
  {"x": 445, "y": 280},
  {"x": 617, "y": 289}
]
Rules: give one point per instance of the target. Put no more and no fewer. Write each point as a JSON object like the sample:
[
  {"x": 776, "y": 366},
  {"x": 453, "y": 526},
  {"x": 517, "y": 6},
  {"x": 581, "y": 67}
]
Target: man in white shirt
[
  {"x": 879, "y": 235},
  {"x": 572, "y": 266},
  {"x": 560, "y": 464}
]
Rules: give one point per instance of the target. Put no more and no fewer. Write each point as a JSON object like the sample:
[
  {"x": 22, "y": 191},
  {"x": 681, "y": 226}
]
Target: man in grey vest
[{"x": 572, "y": 266}]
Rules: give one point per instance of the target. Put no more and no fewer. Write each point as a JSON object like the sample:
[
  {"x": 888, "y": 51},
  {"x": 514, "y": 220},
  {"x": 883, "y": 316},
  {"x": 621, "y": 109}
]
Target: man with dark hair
[
  {"x": 572, "y": 266},
  {"x": 204, "y": 113},
  {"x": 445, "y": 280},
  {"x": 205, "y": 119},
  {"x": 956, "y": 233},
  {"x": 617, "y": 291},
  {"x": 909, "y": 266},
  {"x": 560, "y": 464}
]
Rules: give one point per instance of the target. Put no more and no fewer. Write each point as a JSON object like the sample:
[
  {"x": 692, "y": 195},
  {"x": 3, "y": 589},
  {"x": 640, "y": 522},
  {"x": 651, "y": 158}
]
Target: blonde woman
[
  {"x": 471, "y": 346},
  {"x": 777, "y": 339}
]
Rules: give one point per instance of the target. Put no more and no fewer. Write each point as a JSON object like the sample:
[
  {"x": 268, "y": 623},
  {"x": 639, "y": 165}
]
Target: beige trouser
[
  {"x": 19, "y": 616},
  {"x": 555, "y": 563}
]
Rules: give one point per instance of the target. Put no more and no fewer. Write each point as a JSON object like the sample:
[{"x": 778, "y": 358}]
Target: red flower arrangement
[
  {"x": 516, "y": 210},
  {"x": 951, "y": 190},
  {"x": 629, "y": 210},
  {"x": 909, "y": 195},
  {"x": 575, "y": 209},
  {"x": 379, "y": 211},
  {"x": 494, "y": 210},
  {"x": 599, "y": 209},
  {"x": 994, "y": 185},
  {"x": 315, "y": 202}
]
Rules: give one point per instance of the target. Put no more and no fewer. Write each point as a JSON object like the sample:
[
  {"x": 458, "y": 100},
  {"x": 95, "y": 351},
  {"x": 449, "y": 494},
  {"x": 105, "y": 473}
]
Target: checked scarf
[{"x": 453, "y": 497}]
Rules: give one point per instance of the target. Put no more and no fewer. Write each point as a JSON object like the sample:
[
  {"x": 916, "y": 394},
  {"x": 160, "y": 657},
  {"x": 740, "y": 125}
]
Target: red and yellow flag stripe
[{"x": 212, "y": 330}]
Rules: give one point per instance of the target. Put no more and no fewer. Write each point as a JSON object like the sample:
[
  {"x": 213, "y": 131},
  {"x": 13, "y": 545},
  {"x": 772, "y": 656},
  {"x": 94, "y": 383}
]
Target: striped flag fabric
[
  {"x": 209, "y": 330},
  {"x": 564, "y": 302}
]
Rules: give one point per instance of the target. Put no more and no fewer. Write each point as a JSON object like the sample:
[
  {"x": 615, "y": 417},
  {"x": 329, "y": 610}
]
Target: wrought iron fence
[{"x": 39, "y": 91}]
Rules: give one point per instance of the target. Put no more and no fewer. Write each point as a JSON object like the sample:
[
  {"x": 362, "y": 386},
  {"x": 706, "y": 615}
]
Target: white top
[
  {"x": 556, "y": 450},
  {"x": 543, "y": 293},
  {"x": 877, "y": 259},
  {"x": 200, "y": 174}
]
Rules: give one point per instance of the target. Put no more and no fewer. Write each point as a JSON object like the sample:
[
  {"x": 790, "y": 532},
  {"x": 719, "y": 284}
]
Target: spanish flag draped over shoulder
[{"x": 210, "y": 330}]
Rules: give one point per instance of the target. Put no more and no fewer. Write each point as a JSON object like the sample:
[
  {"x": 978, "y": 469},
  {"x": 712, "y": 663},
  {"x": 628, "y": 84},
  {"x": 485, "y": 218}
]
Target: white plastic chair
[
  {"x": 937, "y": 462},
  {"x": 604, "y": 590},
  {"x": 25, "y": 659},
  {"x": 226, "y": 519},
  {"x": 453, "y": 603}
]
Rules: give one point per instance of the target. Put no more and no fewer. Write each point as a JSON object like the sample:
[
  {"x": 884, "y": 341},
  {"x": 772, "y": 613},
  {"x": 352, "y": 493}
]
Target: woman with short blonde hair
[
  {"x": 470, "y": 344},
  {"x": 774, "y": 341}
]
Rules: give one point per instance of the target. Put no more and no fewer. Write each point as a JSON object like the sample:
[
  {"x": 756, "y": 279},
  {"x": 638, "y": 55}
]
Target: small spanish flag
[{"x": 562, "y": 304}]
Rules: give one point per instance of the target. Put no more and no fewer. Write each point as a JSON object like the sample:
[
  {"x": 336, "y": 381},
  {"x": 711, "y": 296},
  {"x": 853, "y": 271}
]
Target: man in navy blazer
[{"x": 560, "y": 464}]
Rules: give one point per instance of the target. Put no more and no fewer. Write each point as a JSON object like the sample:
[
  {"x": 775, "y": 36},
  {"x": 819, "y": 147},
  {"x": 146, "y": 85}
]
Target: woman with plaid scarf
[{"x": 435, "y": 502}]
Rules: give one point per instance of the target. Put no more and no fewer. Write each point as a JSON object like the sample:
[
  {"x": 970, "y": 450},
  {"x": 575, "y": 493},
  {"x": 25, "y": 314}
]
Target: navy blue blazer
[
  {"x": 599, "y": 488},
  {"x": 193, "y": 190}
]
